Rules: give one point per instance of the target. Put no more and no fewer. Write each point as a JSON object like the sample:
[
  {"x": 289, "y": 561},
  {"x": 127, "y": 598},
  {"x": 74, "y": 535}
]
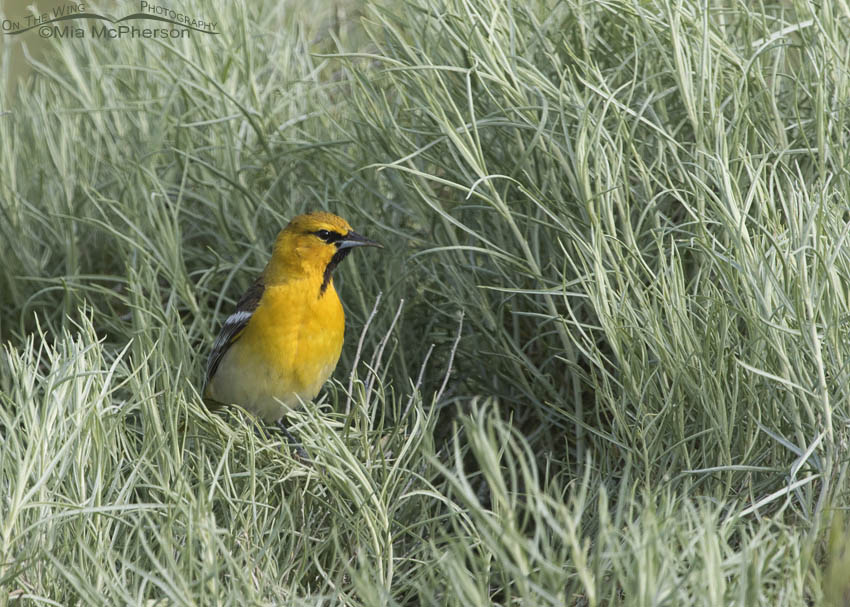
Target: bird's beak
[{"x": 353, "y": 239}]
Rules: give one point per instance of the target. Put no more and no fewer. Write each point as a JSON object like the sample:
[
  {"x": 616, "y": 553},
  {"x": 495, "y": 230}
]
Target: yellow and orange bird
[{"x": 285, "y": 337}]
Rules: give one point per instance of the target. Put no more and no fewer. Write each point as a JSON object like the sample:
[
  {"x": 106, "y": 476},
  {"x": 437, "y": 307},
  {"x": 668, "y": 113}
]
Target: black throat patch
[{"x": 329, "y": 269}]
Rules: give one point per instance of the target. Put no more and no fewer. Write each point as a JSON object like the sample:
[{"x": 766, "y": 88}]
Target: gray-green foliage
[{"x": 638, "y": 209}]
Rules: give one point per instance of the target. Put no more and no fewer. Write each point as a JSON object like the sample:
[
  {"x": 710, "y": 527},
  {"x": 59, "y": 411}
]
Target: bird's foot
[{"x": 300, "y": 453}]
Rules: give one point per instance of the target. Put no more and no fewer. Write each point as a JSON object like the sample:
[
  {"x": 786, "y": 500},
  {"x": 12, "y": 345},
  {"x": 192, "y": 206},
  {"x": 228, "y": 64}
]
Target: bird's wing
[{"x": 234, "y": 325}]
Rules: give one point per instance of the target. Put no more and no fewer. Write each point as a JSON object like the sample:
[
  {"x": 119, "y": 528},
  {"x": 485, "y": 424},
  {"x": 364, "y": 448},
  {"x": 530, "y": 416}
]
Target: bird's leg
[{"x": 294, "y": 442}]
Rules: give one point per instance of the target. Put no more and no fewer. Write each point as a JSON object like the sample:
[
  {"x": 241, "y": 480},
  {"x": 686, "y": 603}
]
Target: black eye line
[{"x": 329, "y": 236}]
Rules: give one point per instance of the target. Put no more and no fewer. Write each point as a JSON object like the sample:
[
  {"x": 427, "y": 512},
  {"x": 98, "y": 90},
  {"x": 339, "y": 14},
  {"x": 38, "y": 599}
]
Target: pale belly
[{"x": 282, "y": 356}]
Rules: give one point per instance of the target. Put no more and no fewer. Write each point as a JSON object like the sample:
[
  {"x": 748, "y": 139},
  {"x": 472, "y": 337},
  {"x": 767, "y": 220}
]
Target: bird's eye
[{"x": 324, "y": 235}]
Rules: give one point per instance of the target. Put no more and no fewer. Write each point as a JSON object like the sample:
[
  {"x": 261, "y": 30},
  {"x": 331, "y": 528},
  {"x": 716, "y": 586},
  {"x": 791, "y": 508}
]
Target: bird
[{"x": 284, "y": 339}]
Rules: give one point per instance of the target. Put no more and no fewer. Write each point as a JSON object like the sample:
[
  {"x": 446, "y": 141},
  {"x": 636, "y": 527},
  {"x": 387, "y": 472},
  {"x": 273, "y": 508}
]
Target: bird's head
[{"x": 312, "y": 245}]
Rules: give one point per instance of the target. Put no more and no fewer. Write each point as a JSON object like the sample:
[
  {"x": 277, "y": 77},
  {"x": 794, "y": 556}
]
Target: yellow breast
[{"x": 288, "y": 350}]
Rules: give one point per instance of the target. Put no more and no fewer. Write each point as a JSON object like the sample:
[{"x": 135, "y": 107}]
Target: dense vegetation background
[{"x": 603, "y": 360}]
